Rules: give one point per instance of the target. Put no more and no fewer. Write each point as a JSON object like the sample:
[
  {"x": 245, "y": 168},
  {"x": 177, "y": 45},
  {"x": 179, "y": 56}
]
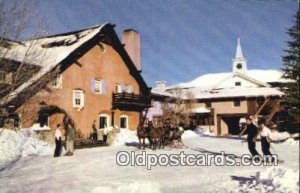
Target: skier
[
  {"x": 265, "y": 134},
  {"x": 58, "y": 148},
  {"x": 252, "y": 132}
]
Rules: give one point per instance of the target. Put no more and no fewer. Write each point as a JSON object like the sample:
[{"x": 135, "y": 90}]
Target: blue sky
[{"x": 183, "y": 39}]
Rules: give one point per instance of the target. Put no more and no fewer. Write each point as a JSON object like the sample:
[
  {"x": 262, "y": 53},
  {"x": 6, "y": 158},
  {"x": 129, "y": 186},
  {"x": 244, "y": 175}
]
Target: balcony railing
[{"x": 130, "y": 101}]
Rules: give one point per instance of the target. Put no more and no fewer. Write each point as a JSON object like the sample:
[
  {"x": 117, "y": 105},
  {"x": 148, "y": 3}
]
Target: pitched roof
[
  {"x": 208, "y": 81},
  {"x": 49, "y": 52},
  {"x": 237, "y": 92},
  {"x": 244, "y": 77}
]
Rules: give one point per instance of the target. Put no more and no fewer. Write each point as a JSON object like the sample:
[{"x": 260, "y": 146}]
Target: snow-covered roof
[
  {"x": 236, "y": 92},
  {"x": 45, "y": 52},
  {"x": 208, "y": 81},
  {"x": 201, "y": 110},
  {"x": 161, "y": 92}
]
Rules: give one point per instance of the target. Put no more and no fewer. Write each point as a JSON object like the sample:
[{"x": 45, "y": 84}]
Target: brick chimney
[{"x": 131, "y": 39}]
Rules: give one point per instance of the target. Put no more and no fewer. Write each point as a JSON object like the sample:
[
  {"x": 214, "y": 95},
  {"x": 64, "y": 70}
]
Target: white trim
[
  {"x": 248, "y": 78},
  {"x": 81, "y": 98},
  {"x": 119, "y": 88},
  {"x": 127, "y": 121},
  {"x": 100, "y": 86}
]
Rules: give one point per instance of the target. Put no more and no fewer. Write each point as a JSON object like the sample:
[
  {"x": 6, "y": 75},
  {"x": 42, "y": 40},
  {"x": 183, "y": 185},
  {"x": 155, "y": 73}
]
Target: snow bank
[
  {"x": 279, "y": 179},
  {"x": 279, "y": 136},
  {"x": 24, "y": 143},
  {"x": 273, "y": 179},
  {"x": 203, "y": 132},
  {"x": 133, "y": 187},
  {"x": 139, "y": 186},
  {"x": 291, "y": 141},
  {"x": 125, "y": 136},
  {"x": 37, "y": 127},
  {"x": 188, "y": 134}
]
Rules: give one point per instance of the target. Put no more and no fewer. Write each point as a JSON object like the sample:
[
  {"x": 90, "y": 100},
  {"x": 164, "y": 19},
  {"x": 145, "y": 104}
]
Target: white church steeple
[{"x": 239, "y": 63}]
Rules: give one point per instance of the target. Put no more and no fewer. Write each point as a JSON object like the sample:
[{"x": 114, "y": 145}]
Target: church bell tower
[{"x": 239, "y": 63}]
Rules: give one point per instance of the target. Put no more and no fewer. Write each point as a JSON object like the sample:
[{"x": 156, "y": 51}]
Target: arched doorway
[{"x": 51, "y": 115}]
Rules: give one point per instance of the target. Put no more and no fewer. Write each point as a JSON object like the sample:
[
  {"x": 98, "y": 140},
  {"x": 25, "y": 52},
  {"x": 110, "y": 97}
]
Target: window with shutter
[{"x": 98, "y": 86}]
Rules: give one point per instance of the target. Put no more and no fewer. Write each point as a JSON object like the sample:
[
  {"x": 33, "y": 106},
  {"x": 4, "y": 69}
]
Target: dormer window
[{"x": 57, "y": 82}]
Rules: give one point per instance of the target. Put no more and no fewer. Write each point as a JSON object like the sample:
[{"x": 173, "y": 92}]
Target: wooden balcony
[{"x": 130, "y": 101}]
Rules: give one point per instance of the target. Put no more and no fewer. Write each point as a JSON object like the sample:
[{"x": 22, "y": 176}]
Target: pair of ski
[{"x": 279, "y": 160}]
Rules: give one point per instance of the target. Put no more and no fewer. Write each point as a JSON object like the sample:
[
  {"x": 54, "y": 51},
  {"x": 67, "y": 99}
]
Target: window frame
[
  {"x": 236, "y": 103},
  {"x": 58, "y": 80},
  {"x": 119, "y": 88},
  {"x": 107, "y": 120},
  {"x": 99, "y": 82},
  {"x": 129, "y": 88},
  {"x": 81, "y": 98},
  {"x": 127, "y": 121},
  {"x": 208, "y": 104},
  {"x": 238, "y": 83}
]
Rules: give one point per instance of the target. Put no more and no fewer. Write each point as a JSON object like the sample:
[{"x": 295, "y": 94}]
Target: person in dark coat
[
  {"x": 70, "y": 139},
  {"x": 94, "y": 132},
  {"x": 252, "y": 131},
  {"x": 58, "y": 144}
]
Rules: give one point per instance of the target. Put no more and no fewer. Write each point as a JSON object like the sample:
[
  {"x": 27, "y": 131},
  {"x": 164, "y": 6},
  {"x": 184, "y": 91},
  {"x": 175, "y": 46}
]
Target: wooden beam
[
  {"x": 273, "y": 111},
  {"x": 261, "y": 107},
  {"x": 78, "y": 64}
]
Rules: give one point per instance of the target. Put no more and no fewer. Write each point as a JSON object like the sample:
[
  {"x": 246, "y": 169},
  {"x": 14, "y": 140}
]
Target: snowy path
[{"x": 95, "y": 170}]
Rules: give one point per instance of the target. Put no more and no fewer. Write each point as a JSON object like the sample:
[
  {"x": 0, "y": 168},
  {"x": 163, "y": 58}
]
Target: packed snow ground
[{"x": 95, "y": 170}]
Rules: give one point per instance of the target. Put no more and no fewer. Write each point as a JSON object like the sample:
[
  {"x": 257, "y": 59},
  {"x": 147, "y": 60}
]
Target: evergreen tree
[{"x": 292, "y": 72}]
